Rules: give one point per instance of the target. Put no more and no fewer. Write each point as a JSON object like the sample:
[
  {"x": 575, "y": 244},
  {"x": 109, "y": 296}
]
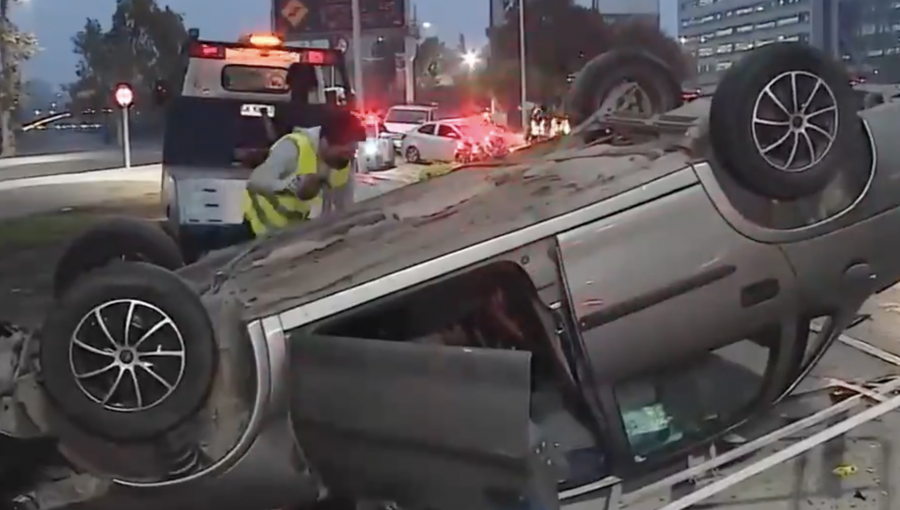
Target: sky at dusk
[{"x": 56, "y": 21}]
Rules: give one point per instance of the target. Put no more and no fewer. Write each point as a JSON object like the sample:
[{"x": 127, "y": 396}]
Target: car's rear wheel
[
  {"x": 783, "y": 121},
  {"x": 632, "y": 81},
  {"x": 113, "y": 240},
  {"x": 129, "y": 352}
]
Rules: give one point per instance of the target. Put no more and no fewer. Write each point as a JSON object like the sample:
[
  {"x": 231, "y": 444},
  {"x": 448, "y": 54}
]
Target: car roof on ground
[{"x": 427, "y": 220}]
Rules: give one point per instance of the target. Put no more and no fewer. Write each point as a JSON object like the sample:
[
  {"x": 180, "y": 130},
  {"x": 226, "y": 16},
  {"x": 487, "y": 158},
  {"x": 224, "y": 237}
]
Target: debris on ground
[{"x": 845, "y": 470}]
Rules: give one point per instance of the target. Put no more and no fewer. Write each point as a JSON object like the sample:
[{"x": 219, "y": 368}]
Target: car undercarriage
[{"x": 533, "y": 331}]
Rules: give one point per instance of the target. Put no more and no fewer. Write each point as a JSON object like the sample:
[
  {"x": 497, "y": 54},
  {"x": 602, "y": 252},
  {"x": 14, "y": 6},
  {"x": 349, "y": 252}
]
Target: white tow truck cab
[{"x": 216, "y": 131}]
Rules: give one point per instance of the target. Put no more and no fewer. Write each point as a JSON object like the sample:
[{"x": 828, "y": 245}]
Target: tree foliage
[
  {"x": 432, "y": 60},
  {"x": 141, "y": 45},
  {"x": 16, "y": 47},
  {"x": 561, "y": 37}
]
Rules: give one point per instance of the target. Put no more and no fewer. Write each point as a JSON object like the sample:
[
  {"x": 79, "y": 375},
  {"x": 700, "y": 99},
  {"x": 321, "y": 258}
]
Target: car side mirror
[{"x": 161, "y": 92}]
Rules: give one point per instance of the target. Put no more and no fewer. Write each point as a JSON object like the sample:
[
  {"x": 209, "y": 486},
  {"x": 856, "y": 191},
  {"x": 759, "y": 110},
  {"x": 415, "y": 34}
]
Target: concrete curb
[{"x": 144, "y": 173}]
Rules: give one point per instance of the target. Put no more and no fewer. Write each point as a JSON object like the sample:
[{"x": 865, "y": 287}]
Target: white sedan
[{"x": 432, "y": 141}]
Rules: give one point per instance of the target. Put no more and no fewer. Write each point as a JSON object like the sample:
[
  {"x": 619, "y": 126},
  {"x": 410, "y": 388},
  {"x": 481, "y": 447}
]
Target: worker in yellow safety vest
[{"x": 308, "y": 172}]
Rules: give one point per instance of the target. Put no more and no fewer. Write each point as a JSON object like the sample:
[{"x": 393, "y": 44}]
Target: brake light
[
  {"x": 200, "y": 50},
  {"x": 265, "y": 40}
]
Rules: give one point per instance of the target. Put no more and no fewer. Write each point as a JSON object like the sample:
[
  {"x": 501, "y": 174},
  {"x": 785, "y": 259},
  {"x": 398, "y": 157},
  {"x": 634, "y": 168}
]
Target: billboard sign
[{"x": 294, "y": 19}]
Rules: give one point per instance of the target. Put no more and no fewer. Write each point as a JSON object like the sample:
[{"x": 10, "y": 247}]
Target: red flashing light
[
  {"x": 200, "y": 50},
  {"x": 315, "y": 57}
]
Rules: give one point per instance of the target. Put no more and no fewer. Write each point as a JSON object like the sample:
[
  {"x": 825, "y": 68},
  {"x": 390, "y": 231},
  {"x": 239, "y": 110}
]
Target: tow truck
[{"x": 215, "y": 130}]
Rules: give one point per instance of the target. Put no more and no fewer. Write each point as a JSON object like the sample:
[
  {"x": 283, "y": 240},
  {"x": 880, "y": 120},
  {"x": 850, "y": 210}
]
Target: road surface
[
  {"x": 74, "y": 162},
  {"x": 48, "y": 193}
]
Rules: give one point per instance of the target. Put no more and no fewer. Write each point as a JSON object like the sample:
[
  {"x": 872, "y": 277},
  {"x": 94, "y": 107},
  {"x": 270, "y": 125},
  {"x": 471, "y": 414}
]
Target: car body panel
[
  {"x": 443, "y": 217},
  {"x": 448, "y": 424},
  {"x": 624, "y": 310}
]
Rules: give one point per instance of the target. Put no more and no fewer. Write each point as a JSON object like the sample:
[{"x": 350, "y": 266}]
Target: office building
[
  {"x": 614, "y": 11},
  {"x": 869, "y": 38},
  {"x": 718, "y": 32}
]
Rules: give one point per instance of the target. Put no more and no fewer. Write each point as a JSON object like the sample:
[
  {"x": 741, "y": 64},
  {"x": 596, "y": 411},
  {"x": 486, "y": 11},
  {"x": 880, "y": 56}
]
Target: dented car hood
[{"x": 423, "y": 221}]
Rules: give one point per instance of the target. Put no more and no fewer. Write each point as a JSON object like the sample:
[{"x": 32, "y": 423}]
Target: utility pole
[{"x": 357, "y": 55}]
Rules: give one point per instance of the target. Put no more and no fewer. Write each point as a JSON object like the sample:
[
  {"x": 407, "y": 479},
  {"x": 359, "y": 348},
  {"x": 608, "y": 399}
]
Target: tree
[
  {"x": 562, "y": 37},
  {"x": 640, "y": 34},
  {"x": 15, "y": 48},
  {"x": 142, "y": 45},
  {"x": 432, "y": 58}
]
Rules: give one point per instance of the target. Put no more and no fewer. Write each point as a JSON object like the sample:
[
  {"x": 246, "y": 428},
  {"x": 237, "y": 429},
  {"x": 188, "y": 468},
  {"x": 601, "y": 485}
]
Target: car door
[
  {"x": 424, "y": 141},
  {"x": 448, "y": 137},
  {"x": 425, "y": 426},
  {"x": 688, "y": 342}
]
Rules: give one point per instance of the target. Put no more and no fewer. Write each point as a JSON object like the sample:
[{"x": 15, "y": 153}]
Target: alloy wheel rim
[
  {"x": 127, "y": 355},
  {"x": 795, "y": 121}
]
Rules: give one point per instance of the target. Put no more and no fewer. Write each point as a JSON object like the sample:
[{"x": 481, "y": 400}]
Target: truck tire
[
  {"x": 774, "y": 147},
  {"x": 129, "y": 352},
  {"x": 111, "y": 240}
]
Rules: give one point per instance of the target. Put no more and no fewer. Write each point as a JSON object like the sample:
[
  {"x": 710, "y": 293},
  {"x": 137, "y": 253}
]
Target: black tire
[
  {"x": 113, "y": 286},
  {"x": 734, "y": 133},
  {"x": 412, "y": 155},
  {"x": 607, "y": 71},
  {"x": 111, "y": 240}
]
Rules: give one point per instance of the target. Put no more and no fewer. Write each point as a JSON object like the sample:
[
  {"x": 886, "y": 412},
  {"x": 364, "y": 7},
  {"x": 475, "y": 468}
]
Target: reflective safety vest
[{"x": 265, "y": 213}]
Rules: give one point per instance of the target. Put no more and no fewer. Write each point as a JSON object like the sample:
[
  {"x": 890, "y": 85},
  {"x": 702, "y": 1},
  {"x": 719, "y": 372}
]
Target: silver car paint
[{"x": 632, "y": 315}]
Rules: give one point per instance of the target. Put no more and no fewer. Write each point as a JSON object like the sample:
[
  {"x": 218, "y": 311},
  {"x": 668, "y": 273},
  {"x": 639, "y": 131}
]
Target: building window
[
  {"x": 743, "y": 46},
  {"x": 765, "y": 26},
  {"x": 724, "y": 32},
  {"x": 789, "y": 38},
  {"x": 721, "y": 66},
  {"x": 793, "y": 20},
  {"x": 743, "y": 29},
  {"x": 705, "y": 52},
  {"x": 725, "y": 48}
]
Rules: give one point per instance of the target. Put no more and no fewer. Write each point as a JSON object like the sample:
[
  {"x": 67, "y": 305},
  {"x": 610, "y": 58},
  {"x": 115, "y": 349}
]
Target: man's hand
[{"x": 308, "y": 186}]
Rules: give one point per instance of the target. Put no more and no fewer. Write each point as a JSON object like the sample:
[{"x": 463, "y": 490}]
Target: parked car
[
  {"x": 440, "y": 141},
  {"x": 402, "y": 119},
  {"x": 487, "y": 337}
]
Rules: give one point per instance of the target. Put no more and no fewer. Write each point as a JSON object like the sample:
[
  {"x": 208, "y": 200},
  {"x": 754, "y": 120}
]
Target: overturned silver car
[{"x": 491, "y": 337}]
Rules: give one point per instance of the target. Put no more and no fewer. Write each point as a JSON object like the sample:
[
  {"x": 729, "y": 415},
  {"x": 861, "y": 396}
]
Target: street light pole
[
  {"x": 522, "y": 61},
  {"x": 357, "y": 54}
]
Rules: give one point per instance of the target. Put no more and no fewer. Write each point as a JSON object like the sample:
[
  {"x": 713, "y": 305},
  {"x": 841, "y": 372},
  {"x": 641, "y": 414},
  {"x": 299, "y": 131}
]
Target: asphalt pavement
[{"x": 49, "y": 193}]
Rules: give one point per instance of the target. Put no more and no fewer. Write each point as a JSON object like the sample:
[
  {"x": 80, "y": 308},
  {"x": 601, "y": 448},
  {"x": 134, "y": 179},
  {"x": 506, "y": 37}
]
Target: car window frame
[
  {"x": 451, "y": 129},
  {"x": 425, "y": 126}
]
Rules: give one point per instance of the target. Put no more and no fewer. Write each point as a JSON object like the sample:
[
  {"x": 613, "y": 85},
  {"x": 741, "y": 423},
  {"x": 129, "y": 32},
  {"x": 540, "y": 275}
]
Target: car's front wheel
[{"x": 129, "y": 352}]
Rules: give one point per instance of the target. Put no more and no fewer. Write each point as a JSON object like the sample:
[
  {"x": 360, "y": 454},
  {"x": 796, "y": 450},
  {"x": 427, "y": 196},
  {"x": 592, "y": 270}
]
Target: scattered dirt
[{"x": 31, "y": 246}]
